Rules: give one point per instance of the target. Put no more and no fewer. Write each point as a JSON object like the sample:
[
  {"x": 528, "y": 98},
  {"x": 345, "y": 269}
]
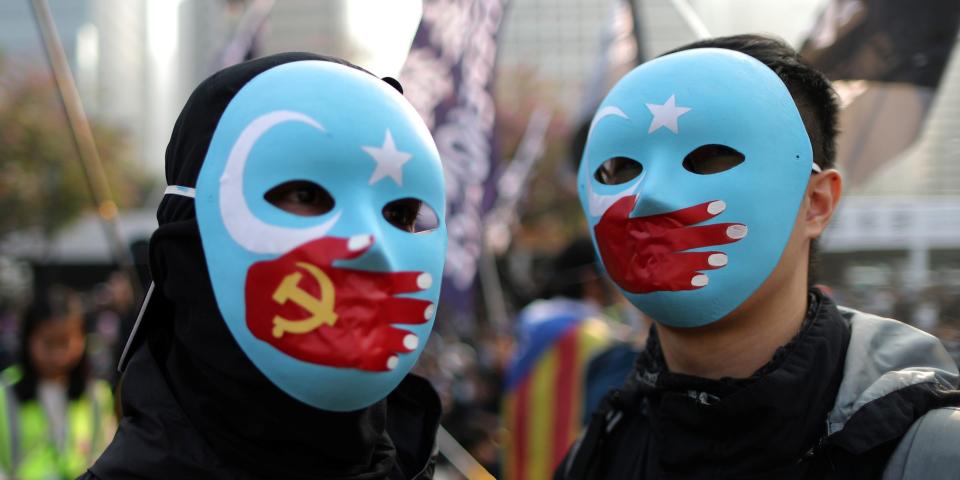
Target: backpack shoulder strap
[{"x": 929, "y": 448}]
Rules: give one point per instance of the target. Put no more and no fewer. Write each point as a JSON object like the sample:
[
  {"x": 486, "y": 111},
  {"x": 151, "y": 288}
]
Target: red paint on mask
[
  {"x": 305, "y": 307},
  {"x": 647, "y": 254}
]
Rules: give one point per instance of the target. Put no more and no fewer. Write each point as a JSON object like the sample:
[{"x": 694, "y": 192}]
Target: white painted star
[
  {"x": 666, "y": 115},
  {"x": 389, "y": 160}
]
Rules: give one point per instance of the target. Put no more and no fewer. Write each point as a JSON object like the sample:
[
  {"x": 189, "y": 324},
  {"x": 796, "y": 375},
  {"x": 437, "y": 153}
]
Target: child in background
[{"x": 54, "y": 418}]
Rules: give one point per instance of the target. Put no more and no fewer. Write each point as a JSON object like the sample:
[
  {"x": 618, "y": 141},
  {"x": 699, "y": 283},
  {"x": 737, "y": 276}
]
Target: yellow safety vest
[{"x": 27, "y": 448}]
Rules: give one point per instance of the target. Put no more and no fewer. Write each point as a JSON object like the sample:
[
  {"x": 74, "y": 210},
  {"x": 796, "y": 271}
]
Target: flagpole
[
  {"x": 83, "y": 140},
  {"x": 596, "y": 85},
  {"x": 637, "y": 18},
  {"x": 460, "y": 458},
  {"x": 244, "y": 37}
]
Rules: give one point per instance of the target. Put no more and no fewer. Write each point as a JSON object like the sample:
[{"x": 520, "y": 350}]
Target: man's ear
[{"x": 823, "y": 195}]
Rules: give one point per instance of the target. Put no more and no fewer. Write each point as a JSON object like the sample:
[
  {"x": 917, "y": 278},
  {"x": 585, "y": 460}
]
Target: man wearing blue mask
[
  {"x": 296, "y": 270},
  {"x": 706, "y": 180}
]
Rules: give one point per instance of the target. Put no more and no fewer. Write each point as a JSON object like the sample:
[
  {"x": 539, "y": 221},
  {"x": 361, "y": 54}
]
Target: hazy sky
[{"x": 383, "y": 30}]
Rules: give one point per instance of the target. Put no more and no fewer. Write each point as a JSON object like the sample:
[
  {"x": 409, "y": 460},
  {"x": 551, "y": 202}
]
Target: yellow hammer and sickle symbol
[{"x": 321, "y": 310}]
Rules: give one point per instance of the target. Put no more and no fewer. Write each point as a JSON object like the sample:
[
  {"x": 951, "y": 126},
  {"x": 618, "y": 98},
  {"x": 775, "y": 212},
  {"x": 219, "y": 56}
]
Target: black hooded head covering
[{"x": 189, "y": 392}]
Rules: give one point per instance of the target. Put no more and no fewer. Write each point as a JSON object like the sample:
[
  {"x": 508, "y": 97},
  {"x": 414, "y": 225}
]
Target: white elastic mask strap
[{"x": 182, "y": 191}]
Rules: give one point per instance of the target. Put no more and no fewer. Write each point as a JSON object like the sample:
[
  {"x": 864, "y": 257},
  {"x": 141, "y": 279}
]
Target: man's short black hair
[{"x": 810, "y": 89}]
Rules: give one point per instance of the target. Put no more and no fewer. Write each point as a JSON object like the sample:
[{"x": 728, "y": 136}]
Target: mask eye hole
[
  {"x": 710, "y": 159},
  {"x": 411, "y": 215},
  {"x": 617, "y": 170},
  {"x": 300, "y": 197}
]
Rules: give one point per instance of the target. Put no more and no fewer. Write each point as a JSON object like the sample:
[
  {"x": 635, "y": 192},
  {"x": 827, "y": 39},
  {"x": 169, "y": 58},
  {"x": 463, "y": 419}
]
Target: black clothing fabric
[
  {"x": 194, "y": 405},
  {"x": 156, "y": 440},
  {"x": 772, "y": 425}
]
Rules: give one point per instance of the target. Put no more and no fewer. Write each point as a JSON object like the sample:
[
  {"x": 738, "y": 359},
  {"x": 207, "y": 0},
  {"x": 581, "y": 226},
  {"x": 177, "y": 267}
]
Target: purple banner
[{"x": 448, "y": 77}]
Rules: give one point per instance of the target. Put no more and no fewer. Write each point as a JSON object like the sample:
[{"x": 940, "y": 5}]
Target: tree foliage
[{"x": 42, "y": 186}]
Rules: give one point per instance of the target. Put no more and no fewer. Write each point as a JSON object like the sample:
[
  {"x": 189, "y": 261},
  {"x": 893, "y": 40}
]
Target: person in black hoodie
[
  {"x": 293, "y": 283},
  {"x": 706, "y": 179}
]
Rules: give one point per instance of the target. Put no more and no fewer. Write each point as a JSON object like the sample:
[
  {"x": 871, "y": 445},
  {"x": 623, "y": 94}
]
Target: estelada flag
[
  {"x": 886, "y": 59},
  {"x": 545, "y": 385}
]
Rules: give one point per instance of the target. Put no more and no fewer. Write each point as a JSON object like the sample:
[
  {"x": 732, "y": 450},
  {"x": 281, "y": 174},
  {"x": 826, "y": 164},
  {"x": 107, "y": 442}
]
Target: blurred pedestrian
[
  {"x": 706, "y": 179},
  {"x": 55, "y": 419}
]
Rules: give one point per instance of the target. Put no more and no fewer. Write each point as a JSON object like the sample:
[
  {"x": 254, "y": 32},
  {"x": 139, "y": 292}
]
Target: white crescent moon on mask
[
  {"x": 598, "y": 204},
  {"x": 243, "y": 226},
  {"x": 609, "y": 110}
]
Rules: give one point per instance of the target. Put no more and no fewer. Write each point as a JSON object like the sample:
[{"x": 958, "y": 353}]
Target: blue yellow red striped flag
[{"x": 544, "y": 391}]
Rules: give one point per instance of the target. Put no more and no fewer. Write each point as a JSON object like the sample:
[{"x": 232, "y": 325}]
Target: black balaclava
[{"x": 250, "y": 424}]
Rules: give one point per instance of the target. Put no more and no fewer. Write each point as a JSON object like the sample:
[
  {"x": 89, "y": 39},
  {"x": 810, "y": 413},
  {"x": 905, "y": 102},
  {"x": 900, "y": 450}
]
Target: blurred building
[
  {"x": 556, "y": 41},
  {"x": 136, "y": 61},
  {"x": 899, "y": 232},
  {"x": 307, "y": 25},
  {"x": 19, "y": 35}
]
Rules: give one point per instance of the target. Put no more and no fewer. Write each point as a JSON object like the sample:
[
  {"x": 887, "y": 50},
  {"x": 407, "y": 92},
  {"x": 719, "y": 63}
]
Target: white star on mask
[
  {"x": 666, "y": 115},
  {"x": 389, "y": 160}
]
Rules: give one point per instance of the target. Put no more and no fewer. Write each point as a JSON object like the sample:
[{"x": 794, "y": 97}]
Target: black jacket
[
  {"x": 156, "y": 439},
  {"x": 824, "y": 407}
]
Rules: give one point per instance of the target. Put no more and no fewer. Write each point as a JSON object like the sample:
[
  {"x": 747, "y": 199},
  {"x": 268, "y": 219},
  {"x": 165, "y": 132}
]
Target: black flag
[
  {"x": 886, "y": 58},
  {"x": 884, "y": 40}
]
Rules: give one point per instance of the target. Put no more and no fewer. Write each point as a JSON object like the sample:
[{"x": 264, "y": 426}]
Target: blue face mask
[
  {"x": 691, "y": 180},
  {"x": 334, "y": 307}
]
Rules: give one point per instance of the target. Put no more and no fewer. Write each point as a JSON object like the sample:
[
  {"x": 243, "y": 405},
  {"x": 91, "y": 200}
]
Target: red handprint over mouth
[
  {"x": 648, "y": 254},
  {"x": 305, "y": 307}
]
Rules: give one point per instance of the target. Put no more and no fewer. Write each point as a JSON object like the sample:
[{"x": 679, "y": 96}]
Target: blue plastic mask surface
[
  {"x": 699, "y": 221},
  {"x": 333, "y": 307}
]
